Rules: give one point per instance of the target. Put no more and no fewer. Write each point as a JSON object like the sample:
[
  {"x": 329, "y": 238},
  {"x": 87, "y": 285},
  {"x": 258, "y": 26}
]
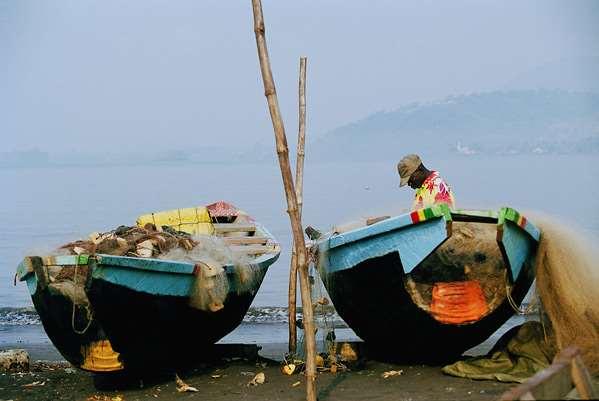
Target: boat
[
  {"x": 162, "y": 314},
  {"x": 150, "y": 312},
  {"x": 427, "y": 285}
]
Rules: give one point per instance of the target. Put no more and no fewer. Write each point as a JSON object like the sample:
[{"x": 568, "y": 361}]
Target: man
[{"x": 430, "y": 188}]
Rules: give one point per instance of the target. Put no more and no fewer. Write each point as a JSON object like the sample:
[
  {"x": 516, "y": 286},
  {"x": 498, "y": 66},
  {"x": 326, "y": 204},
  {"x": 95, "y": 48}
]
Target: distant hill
[
  {"x": 503, "y": 122},
  {"x": 536, "y": 121}
]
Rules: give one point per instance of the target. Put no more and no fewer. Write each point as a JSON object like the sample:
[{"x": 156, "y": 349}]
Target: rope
[
  {"x": 513, "y": 303},
  {"x": 87, "y": 309},
  {"x": 528, "y": 309}
]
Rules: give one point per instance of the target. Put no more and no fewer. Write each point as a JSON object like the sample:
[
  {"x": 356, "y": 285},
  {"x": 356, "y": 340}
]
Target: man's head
[{"x": 411, "y": 171}]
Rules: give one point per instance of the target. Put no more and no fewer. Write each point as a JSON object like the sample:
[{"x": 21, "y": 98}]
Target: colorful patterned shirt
[{"x": 434, "y": 190}]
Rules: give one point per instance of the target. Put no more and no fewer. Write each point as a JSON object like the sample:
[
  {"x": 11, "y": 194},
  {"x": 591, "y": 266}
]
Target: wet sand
[
  {"x": 270, "y": 337},
  {"x": 57, "y": 381},
  {"x": 228, "y": 380}
]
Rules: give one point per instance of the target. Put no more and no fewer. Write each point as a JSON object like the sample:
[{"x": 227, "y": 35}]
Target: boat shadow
[{"x": 218, "y": 356}]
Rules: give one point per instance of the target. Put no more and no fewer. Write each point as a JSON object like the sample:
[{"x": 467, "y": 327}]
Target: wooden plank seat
[
  {"x": 245, "y": 240},
  {"x": 233, "y": 227},
  {"x": 253, "y": 249}
]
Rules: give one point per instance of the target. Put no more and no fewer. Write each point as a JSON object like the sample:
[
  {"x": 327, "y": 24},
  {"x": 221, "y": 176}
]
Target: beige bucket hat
[{"x": 406, "y": 166}]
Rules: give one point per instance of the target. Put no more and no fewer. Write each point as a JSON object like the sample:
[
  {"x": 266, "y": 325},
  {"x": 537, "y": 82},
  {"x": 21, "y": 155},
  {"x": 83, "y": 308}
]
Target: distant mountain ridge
[
  {"x": 507, "y": 122},
  {"x": 492, "y": 123}
]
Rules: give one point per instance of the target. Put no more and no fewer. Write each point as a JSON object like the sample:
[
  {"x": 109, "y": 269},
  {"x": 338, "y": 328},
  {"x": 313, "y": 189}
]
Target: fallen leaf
[
  {"x": 183, "y": 387},
  {"x": 260, "y": 378},
  {"x": 391, "y": 373},
  {"x": 288, "y": 369},
  {"x": 34, "y": 384}
]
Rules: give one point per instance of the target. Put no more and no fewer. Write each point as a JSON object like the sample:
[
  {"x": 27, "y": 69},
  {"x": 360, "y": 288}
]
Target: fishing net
[
  {"x": 568, "y": 284},
  {"x": 72, "y": 290},
  {"x": 210, "y": 254},
  {"x": 210, "y": 287},
  {"x": 324, "y": 324},
  {"x": 69, "y": 282},
  {"x": 144, "y": 242},
  {"x": 212, "y": 284}
]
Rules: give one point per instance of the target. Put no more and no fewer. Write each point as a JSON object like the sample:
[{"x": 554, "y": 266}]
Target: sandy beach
[
  {"x": 229, "y": 381},
  {"x": 51, "y": 378}
]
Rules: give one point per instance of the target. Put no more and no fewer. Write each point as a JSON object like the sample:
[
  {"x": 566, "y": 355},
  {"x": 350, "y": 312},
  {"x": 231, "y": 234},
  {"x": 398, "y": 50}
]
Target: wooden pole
[
  {"x": 301, "y": 137},
  {"x": 299, "y": 184},
  {"x": 298, "y": 235}
]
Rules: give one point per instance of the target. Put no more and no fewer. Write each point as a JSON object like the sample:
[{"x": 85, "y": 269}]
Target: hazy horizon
[{"x": 157, "y": 75}]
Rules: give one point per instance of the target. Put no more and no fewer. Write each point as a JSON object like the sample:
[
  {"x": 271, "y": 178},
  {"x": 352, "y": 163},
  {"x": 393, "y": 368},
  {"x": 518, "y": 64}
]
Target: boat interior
[
  {"x": 242, "y": 236},
  {"x": 465, "y": 278}
]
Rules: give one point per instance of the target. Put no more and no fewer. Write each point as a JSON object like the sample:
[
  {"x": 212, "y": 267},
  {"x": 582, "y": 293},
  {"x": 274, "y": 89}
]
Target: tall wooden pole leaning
[
  {"x": 299, "y": 184},
  {"x": 298, "y": 235}
]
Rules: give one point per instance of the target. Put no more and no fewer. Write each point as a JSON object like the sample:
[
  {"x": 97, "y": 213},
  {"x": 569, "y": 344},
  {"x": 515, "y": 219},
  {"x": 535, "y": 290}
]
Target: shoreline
[
  {"x": 52, "y": 378},
  {"x": 272, "y": 337}
]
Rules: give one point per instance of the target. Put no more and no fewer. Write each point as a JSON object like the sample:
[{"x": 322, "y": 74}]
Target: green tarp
[{"x": 526, "y": 353}]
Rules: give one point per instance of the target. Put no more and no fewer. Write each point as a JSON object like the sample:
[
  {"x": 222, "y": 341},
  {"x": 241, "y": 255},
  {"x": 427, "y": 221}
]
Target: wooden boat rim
[
  {"x": 390, "y": 224},
  {"x": 437, "y": 211},
  {"x": 170, "y": 266},
  {"x": 146, "y": 264}
]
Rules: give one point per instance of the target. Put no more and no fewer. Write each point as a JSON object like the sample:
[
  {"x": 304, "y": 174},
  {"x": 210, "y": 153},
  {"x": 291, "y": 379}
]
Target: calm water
[{"x": 43, "y": 208}]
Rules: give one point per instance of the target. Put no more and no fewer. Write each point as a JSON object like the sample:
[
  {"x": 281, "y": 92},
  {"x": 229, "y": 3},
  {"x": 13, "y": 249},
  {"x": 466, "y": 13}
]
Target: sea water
[{"x": 42, "y": 208}]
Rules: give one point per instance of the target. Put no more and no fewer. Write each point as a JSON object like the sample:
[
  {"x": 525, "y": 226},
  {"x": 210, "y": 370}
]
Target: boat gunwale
[
  {"x": 439, "y": 211},
  {"x": 169, "y": 266},
  {"x": 145, "y": 264},
  {"x": 391, "y": 224},
  {"x": 178, "y": 267}
]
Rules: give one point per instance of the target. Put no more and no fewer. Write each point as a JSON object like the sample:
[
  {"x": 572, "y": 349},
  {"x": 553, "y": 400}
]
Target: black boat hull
[
  {"x": 372, "y": 299},
  {"x": 163, "y": 333}
]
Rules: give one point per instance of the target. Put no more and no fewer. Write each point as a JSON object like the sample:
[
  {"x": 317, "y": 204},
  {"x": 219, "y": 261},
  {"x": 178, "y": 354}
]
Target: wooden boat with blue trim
[
  {"x": 430, "y": 284},
  {"x": 165, "y": 314},
  {"x": 147, "y": 309}
]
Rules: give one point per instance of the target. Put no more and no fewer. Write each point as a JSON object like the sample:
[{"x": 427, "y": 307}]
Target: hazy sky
[{"x": 151, "y": 75}]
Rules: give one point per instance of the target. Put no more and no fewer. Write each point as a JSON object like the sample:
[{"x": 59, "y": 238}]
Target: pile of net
[
  {"x": 210, "y": 254},
  {"x": 567, "y": 278},
  {"x": 132, "y": 241}
]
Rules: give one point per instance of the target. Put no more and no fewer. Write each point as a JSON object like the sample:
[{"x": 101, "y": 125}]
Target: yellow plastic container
[
  {"x": 98, "y": 356},
  {"x": 192, "y": 220}
]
